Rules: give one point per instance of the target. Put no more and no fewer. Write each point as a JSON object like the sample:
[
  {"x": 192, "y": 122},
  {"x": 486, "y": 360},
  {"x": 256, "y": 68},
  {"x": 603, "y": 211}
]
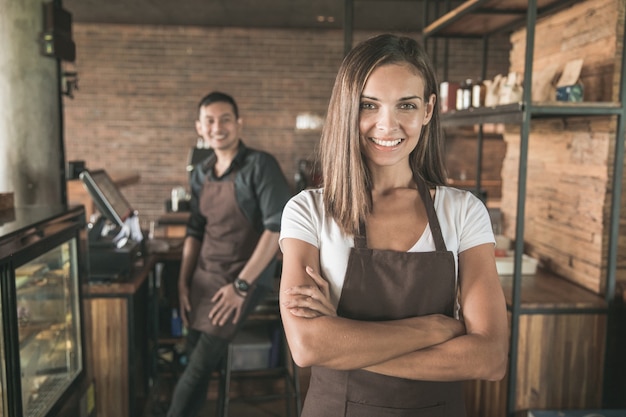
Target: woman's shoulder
[
  {"x": 456, "y": 199},
  {"x": 311, "y": 198},
  {"x": 309, "y": 194},
  {"x": 456, "y": 194}
]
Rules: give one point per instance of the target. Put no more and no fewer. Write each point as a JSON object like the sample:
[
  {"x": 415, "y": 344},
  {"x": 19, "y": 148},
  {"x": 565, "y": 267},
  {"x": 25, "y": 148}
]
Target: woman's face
[{"x": 392, "y": 113}]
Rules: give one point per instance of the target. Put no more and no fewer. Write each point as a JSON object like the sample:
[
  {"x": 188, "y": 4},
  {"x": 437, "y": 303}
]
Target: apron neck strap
[
  {"x": 360, "y": 240},
  {"x": 433, "y": 221}
]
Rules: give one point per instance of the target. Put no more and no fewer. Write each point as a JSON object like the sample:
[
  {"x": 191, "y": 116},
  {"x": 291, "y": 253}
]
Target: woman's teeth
[{"x": 388, "y": 143}]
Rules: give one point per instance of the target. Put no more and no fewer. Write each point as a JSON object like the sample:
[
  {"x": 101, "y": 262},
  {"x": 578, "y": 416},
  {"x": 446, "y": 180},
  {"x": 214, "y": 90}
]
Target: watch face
[{"x": 242, "y": 285}]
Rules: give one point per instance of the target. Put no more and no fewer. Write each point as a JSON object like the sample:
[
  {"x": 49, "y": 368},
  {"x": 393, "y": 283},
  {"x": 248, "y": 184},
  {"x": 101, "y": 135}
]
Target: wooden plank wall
[
  {"x": 109, "y": 342},
  {"x": 570, "y": 160},
  {"x": 564, "y": 375},
  {"x": 559, "y": 366}
]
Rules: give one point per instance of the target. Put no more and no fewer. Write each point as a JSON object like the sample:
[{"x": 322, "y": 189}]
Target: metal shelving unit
[{"x": 480, "y": 19}]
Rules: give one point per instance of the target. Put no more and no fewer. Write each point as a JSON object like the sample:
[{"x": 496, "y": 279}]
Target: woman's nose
[{"x": 387, "y": 120}]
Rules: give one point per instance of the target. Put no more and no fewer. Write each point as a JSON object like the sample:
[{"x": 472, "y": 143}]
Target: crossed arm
[{"x": 431, "y": 347}]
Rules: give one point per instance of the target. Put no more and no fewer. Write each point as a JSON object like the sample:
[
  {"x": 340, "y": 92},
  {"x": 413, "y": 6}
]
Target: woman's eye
[
  {"x": 367, "y": 106},
  {"x": 408, "y": 106}
]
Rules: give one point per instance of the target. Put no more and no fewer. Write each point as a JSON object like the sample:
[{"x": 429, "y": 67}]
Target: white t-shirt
[{"x": 463, "y": 218}]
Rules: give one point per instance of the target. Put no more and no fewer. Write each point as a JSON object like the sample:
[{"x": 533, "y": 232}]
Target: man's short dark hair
[{"x": 218, "y": 97}]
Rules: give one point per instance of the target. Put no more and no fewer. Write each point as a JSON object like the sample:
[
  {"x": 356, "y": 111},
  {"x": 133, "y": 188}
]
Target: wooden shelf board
[
  {"x": 513, "y": 113},
  {"x": 545, "y": 290},
  {"x": 482, "y": 17}
]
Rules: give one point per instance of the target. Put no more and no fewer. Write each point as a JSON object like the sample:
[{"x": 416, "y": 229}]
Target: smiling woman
[{"x": 389, "y": 286}]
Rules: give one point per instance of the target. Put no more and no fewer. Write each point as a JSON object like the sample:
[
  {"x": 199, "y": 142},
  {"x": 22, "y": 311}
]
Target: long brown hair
[{"x": 347, "y": 181}]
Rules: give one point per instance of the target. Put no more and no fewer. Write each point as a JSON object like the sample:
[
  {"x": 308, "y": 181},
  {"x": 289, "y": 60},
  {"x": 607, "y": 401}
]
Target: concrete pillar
[{"x": 31, "y": 159}]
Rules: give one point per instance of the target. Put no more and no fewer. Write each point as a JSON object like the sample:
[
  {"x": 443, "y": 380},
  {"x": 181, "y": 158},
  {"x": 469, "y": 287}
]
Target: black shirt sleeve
[
  {"x": 272, "y": 190},
  {"x": 196, "y": 223}
]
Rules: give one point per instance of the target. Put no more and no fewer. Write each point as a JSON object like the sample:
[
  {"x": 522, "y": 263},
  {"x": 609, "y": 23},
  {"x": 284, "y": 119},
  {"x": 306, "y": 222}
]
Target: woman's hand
[{"x": 310, "y": 301}]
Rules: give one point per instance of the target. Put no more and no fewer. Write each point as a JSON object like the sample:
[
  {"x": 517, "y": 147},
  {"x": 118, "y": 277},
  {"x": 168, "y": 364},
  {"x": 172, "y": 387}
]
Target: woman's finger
[
  {"x": 307, "y": 306},
  {"x": 320, "y": 281},
  {"x": 303, "y": 290},
  {"x": 305, "y": 313}
]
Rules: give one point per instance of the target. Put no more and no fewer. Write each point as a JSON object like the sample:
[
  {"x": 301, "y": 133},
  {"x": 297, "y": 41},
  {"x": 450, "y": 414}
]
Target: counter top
[
  {"x": 122, "y": 287},
  {"x": 545, "y": 290},
  {"x": 174, "y": 218}
]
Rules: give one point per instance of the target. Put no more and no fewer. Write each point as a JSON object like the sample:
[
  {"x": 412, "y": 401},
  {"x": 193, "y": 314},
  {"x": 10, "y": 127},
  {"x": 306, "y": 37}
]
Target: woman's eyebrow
[
  {"x": 411, "y": 98},
  {"x": 401, "y": 99}
]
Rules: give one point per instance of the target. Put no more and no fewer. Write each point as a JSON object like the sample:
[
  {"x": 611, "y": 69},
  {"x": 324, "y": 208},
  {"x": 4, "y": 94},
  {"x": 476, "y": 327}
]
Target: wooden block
[{"x": 6, "y": 201}]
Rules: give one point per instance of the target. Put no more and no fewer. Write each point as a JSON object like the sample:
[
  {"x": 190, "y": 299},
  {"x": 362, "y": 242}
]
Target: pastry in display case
[{"x": 42, "y": 340}]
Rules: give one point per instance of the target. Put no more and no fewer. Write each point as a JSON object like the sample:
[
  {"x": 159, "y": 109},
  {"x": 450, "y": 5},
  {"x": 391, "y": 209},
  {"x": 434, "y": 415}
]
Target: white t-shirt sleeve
[
  {"x": 478, "y": 229},
  {"x": 300, "y": 219},
  {"x": 464, "y": 219}
]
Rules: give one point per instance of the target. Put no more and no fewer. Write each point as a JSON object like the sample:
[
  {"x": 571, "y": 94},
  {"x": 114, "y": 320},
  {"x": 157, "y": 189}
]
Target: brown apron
[
  {"x": 388, "y": 285},
  {"x": 228, "y": 243}
]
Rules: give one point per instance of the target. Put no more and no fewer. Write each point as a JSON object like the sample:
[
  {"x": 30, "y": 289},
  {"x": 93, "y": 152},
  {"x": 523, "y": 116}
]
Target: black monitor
[
  {"x": 107, "y": 196},
  {"x": 197, "y": 155}
]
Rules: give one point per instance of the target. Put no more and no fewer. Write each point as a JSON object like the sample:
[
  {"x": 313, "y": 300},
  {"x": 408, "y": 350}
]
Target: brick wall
[
  {"x": 139, "y": 87},
  {"x": 570, "y": 159}
]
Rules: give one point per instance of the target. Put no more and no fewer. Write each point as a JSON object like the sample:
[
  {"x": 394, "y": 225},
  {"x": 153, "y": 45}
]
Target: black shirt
[{"x": 261, "y": 189}]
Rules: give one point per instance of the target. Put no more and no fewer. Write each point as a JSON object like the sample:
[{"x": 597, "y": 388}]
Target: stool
[{"x": 263, "y": 339}]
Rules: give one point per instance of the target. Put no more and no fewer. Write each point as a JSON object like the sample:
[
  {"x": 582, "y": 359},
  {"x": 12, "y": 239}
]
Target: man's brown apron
[
  {"x": 228, "y": 243},
  {"x": 387, "y": 285}
]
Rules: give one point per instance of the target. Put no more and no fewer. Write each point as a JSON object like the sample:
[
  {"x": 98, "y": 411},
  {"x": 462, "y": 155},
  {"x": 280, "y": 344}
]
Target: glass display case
[{"x": 41, "y": 264}]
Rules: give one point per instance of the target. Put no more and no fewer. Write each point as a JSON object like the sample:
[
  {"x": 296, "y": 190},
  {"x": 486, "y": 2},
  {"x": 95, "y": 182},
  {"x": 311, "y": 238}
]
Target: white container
[
  {"x": 178, "y": 194},
  {"x": 505, "y": 265}
]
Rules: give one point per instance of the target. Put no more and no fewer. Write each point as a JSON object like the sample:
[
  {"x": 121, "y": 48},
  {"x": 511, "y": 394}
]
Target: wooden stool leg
[{"x": 221, "y": 387}]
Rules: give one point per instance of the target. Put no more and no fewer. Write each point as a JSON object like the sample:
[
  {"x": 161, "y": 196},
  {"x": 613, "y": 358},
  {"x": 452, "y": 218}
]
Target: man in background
[{"x": 228, "y": 260}]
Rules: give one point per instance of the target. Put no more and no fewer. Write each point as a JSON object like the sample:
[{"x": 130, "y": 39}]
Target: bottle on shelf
[
  {"x": 467, "y": 94},
  {"x": 479, "y": 90},
  {"x": 464, "y": 95},
  {"x": 176, "y": 324}
]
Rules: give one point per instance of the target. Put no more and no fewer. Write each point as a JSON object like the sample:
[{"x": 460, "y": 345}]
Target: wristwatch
[{"x": 241, "y": 285}]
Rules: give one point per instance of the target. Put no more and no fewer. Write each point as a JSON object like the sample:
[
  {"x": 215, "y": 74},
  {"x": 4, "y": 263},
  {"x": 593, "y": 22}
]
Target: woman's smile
[{"x": 387, "y": 143}]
